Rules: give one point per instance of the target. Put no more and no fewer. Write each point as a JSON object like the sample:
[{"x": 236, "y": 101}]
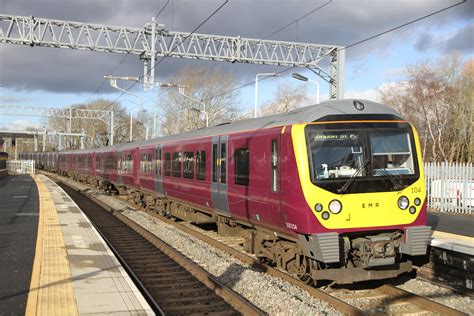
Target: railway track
[
  {"x": 172, "y": 284},
  {"x": 379, "y": 299}
]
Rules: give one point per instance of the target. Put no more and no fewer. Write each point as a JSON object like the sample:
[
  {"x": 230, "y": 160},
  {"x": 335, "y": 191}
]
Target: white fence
[
  {"x": 21, "y": 166},
  {"x": 450, "y": 187}
]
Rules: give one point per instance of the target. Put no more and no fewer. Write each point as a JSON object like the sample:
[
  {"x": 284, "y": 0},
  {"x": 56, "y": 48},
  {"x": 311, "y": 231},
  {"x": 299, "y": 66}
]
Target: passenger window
[
  {"x": 214, "y": 163},
  {"x": 158, "y": 162},
  {"x": 241, "y": 166},
  {"x": 176, "y": 167},
  {"x": 274, "y": 164},
  {"x": 223, "y": 162},
  {"x": 201, "y": 165},
  {"x": 167, "y": 164},
  {"x": 188, "y": 167}
]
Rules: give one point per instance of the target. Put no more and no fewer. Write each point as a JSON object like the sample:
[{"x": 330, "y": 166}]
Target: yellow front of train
[
  {"x": 360, "y": 174},
  {"x": 364, "y": 182}
]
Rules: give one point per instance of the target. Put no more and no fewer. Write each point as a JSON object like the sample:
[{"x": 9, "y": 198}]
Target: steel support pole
[
  {"x": 44, "y": 141},
  {"x": 82, "y": 139},
  {"x": 35, "y": 137},
  {"x": 69, "y": 125},
  {"x": 336, "y": 85},
  {"x": 111, "y": 124},
  {"x": 16, "y": 149}
]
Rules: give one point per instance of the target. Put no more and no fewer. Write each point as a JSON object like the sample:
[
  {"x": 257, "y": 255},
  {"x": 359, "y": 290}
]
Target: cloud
[
  {"x": 20, "y": 125},
  {"x": 367, "y": 94},
  {"x": 462, "y": 41},
  {"x": 338, "y": 23},
  {"x": 424, "y": 42}
]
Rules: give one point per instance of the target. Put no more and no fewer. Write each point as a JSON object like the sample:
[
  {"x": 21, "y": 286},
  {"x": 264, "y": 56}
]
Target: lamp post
[
  {"x": 298, "y": 76},
  {"x": 270, "y": 74}
]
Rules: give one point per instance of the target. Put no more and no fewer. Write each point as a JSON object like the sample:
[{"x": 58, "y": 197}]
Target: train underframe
[{"x": 341, "y": 258}]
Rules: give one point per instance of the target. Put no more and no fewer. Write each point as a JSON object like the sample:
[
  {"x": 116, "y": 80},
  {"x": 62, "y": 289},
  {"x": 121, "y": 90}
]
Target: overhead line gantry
[{"x": 155, "y": 41}]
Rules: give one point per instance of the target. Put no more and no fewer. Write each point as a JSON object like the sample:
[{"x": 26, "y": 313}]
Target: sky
[{"x": 50, "y": 77}]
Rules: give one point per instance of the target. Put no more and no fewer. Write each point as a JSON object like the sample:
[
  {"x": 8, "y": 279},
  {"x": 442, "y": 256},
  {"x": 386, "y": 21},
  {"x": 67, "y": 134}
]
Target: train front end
[{"x": 363, "y": 181}]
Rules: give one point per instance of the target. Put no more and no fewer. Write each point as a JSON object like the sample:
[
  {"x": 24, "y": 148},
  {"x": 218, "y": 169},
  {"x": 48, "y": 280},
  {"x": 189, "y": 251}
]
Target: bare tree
[
  {"x": 209, "y": 87},
  {"x": 97, "y": 132},
  {"x": 287, "y": 98},
  {"x": 437, "y": 98}
]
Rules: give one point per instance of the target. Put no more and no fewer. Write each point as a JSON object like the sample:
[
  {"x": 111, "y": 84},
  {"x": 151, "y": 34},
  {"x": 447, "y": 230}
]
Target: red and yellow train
[{"x": 333, "y": 191}]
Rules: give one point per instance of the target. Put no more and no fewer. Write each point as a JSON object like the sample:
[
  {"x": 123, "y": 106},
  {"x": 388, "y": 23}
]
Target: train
[{"x": 333, "y": 191}]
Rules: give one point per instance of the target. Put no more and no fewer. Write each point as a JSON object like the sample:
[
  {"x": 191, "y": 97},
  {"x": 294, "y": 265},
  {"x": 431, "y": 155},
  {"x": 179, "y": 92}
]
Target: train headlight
[
  {"x": 412, "y": 210},
  {"x": 403, "y": 202},
  {"x": 335, "y": 207},
  {"x": 417, "y": 202},
  {"x": 318, "y": 207},
  {"x": 325, "y": 215}
]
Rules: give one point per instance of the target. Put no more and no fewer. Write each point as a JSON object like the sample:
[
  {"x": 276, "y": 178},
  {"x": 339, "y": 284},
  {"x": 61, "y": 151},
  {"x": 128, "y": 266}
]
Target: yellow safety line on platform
[
  {"x": 438, "y": 234},
  {"x": 51, "y": 291}
]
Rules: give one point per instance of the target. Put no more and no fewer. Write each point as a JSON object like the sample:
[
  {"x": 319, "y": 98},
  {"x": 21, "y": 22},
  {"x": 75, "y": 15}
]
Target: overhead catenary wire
[
  {"x": 347, "y": 46},
  {"x": 265, "y": 37}
]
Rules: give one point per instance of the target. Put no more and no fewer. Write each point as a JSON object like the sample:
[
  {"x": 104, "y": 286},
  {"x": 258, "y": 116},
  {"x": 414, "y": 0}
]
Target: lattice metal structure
[
  {"x": 154, "y": 41},
  {"x": 70, "y": 113}
]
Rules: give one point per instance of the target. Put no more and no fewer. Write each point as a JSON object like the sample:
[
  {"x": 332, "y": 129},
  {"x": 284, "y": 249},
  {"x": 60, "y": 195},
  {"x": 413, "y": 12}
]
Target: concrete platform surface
[{"x": 92, "y": 276}]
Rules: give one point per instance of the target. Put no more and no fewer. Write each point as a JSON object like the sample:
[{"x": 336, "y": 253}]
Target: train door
[
  {"x": 158, "y": 169},
  {"x": 136, "y": 168},
  {"x": 120, "y": 157},
  {"x": 219, "y": 174},
  {"x": 274, "y": 165}
]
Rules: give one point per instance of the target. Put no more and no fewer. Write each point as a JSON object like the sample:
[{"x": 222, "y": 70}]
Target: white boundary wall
[
  {"x": 21, "y": 166},
  {"x": 450, "y": 187}
]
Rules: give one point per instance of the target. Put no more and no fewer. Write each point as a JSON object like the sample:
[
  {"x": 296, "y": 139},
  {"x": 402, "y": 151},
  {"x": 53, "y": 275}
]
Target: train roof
[{"x": 307, "y": 114}]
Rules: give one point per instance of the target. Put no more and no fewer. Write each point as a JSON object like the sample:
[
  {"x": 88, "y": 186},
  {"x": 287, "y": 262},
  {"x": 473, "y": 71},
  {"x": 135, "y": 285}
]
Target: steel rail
[{"x": 234, "y": 299}]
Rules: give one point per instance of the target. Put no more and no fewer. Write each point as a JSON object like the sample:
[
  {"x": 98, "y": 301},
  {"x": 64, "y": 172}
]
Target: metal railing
[
  {"x": 450, "y": 187},
  {"x": 21, "y": 166}
]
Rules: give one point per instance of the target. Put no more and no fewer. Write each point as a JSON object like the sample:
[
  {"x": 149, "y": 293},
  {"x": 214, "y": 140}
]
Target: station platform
[
  {"x": 53, "y": 261},
  {"x": 452, "y": 232}
]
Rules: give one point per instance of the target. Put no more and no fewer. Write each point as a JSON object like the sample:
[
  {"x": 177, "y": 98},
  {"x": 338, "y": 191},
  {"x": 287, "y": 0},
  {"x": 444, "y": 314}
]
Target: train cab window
[
  {"x": 391, "y": 153},
  {"x": 214, "y": 162},
  {"x": 201, "y": 165},
  {"x": 167, "y": 164},
  {"x": 158, "y": 162},
  {"x": 176, "y": 166},
  {"x": 188, "y": 166},
  {"x": 274, "y": 164},
  {"x": 241, "y": 166}
]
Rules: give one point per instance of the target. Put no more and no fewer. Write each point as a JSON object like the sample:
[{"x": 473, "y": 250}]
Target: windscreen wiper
[
  {"x": 396, "y": 184},
  {"x": 346, "y": 185}
]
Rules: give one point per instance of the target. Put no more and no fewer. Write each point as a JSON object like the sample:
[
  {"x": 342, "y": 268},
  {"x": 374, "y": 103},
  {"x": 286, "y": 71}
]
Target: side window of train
[
  {"x": 130, "y": 162},
  {"x": 158, "y": 162},
  {"x": 188, "y": 167},
  {"x": 242, "y": 166},
  {"x": 214, "y": 162},
  {"x": 176, "y": 166},
  {"x": 143, "y": 161},
  {"x": 167, "y": 164},
  {"x": 223, "y": 162},
  {"x": 201, "y": 165},
  {"x": 274, "y": 164}
]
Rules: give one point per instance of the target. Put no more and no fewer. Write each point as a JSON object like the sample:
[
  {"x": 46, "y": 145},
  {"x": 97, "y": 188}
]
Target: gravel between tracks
[
  {"x": 440, "y": 294},
  {"x": 270, "y": 294}
]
